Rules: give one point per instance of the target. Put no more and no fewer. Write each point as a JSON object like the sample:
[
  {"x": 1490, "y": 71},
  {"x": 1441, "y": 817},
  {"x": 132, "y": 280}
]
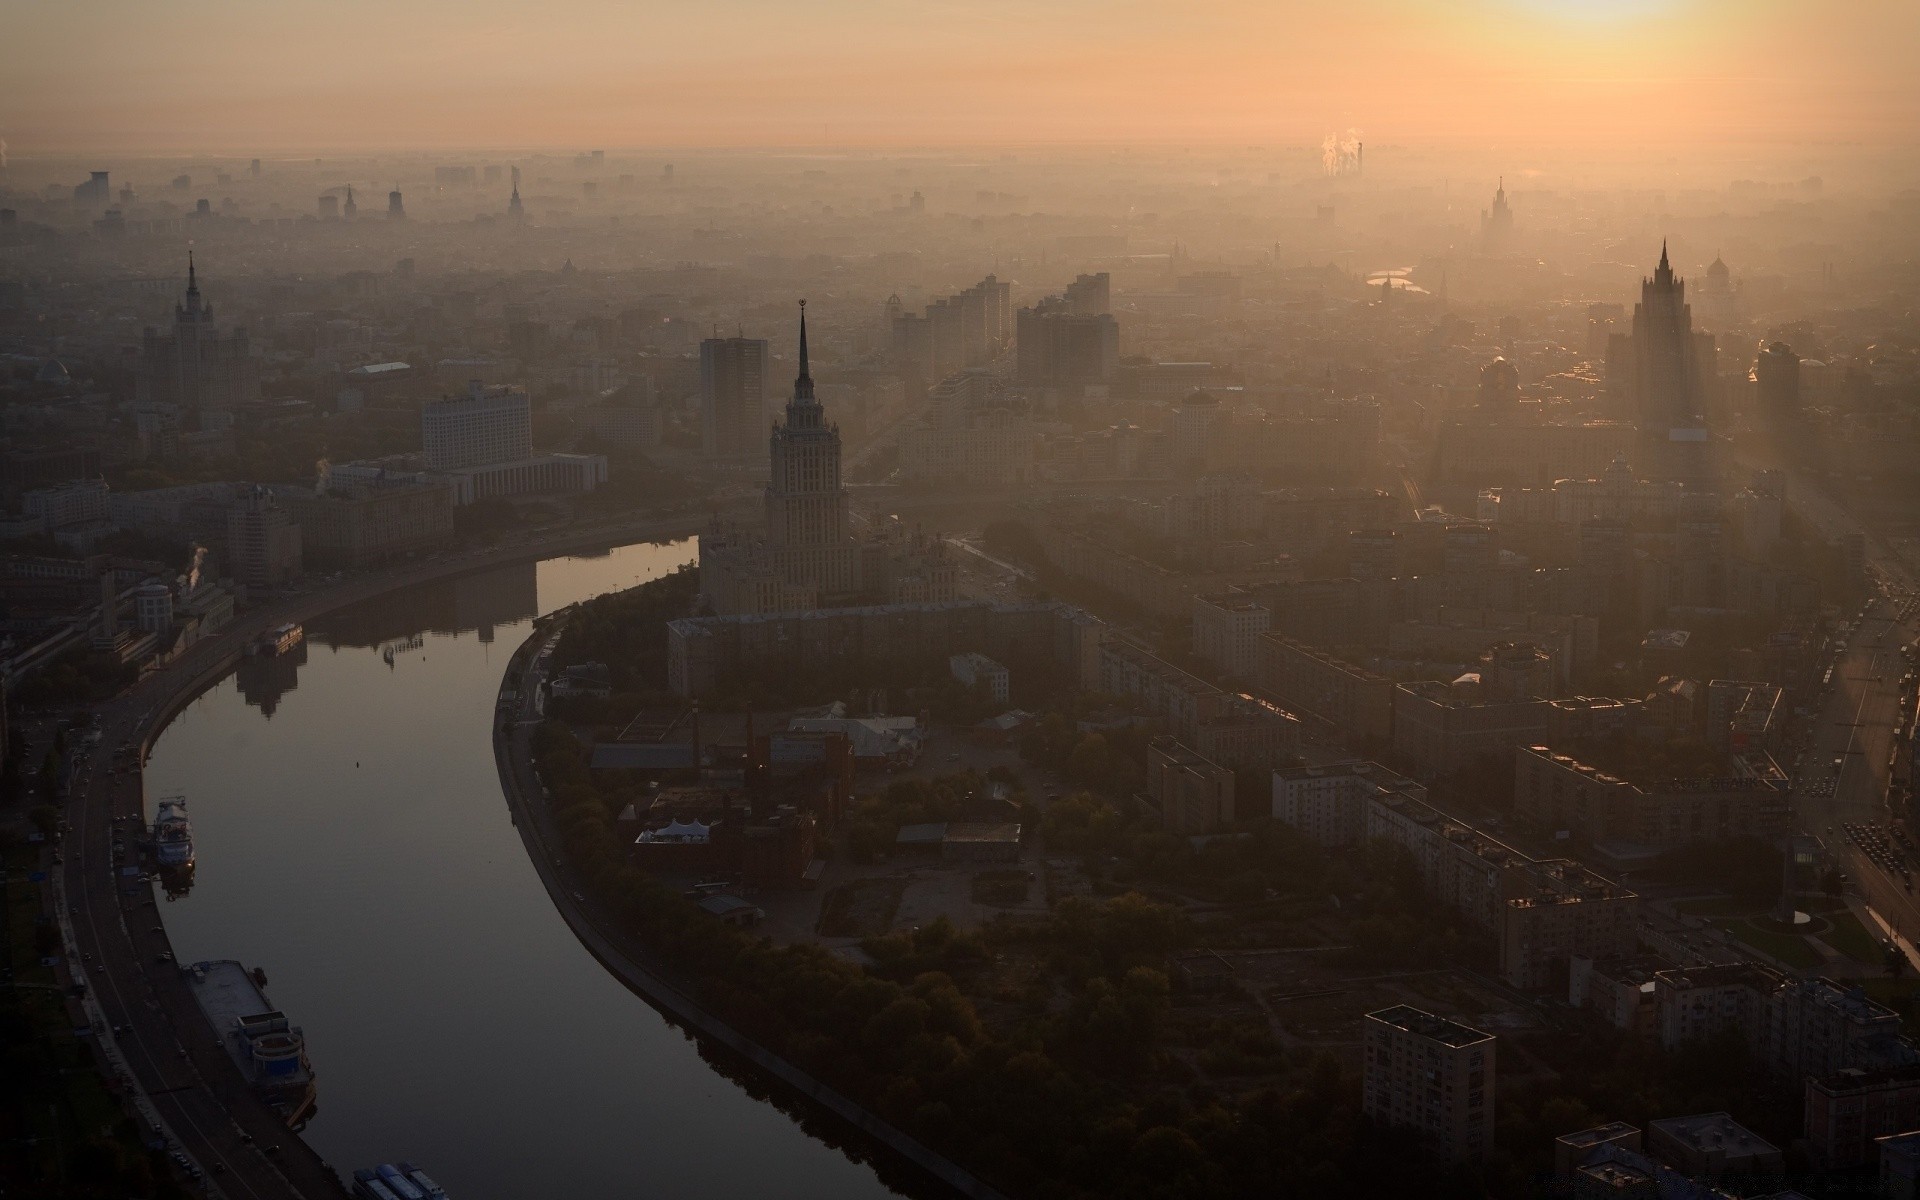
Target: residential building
[
  {"x": 263, "y": 542},
  {"x": 1329, "y": 803},
  {"x": 1226, "y": 629},
  {"x": 1541, "y": 913},
  {"x": 1250, "y": 733},
  {"x": 975, "y": 432},
  {"x": 1619, "y": 991},
  {"x": 1183, "y": 701},
  {"x": 359, "y": 523},
  {"x": 1572, "y": 1149},
  {"x": 1431, "y": 1075},
  {"x": 1353, "y": 699},
  {"x": 1900, "y": 1165},
  {"x": 976, "y": 670},
  {"x": 1191, "y": 794},
  {"x": 1710, "y": 1145},
  {"x": 1557, "y": 792},
  {"x": 1441, "y": 728},
  {"x": 1852, "y": 1109}
]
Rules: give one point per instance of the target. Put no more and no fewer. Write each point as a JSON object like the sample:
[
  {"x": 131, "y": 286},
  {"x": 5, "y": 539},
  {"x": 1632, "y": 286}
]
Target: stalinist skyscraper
[
  {"x": 1663, "y": 370},
  {"x": 808, "y": 556},
  {"x": 806, "y": 505}
]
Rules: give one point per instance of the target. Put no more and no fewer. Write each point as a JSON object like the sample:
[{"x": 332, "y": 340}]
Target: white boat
[{"x": 172, "y": 833}]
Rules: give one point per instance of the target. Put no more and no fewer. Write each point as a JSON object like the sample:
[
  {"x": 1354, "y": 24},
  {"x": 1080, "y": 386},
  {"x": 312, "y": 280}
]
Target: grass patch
[
  {"x": 1785, "y": 947},
  {"x": 1717, "y": 906},
  {"x": 1852, "y": 939},
  {"x": 863, "y": 908}
]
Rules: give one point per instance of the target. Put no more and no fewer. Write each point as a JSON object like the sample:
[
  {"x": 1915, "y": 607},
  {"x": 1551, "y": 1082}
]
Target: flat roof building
[{"x": 1431, "y": 1075}]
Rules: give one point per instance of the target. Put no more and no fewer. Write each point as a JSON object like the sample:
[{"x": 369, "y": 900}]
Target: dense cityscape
[{"x": 1232, "y": 666}]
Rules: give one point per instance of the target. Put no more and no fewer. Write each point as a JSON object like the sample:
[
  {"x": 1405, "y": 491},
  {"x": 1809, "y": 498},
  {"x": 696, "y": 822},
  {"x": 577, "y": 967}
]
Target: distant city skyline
[{"x": 860, "y": 73}]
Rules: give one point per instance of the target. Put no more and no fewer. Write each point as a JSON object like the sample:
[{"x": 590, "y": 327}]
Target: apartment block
[
  {"x": 1441, "y": 728},
  {"x": 1542, "y": 913},
  {"x": 1851, "y": 1109},
  {"x": 1250, "y": 733},
  {"x": 1192, "y": 794},
  {"x": 1431, "y": 1075},
  {"x": 1182, "y": 700},
  {"x": 1356, "y": 700},
  {"x": 1226, "y": 629},
  {"x": 1329, "y": 803},
  {"x": 1558, "y": 792}
]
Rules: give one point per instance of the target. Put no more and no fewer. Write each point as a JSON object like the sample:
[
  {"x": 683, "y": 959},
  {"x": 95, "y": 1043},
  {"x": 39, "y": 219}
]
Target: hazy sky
[{"x": 261, "y": 76}]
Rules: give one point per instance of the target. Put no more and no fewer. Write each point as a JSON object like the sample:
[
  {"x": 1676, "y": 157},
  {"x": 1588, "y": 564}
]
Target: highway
[
  {"x": 1855, "y": 722},
  {"x": 184, "y": 1084}
]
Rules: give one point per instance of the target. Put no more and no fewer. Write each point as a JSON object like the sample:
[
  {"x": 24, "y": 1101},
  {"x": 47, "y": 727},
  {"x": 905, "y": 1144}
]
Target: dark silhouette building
[
  {"x": 195, "y": 369},
  {"x": 1776, "y": 377},
  {"x": 1662, "y": 370},
  {"x": 1496, "y": 223},
  {"x": 733, "y": 397}
]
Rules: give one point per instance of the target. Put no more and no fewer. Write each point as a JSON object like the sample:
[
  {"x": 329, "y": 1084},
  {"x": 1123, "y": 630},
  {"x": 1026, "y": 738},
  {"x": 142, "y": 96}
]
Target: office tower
[
  {"x": 1433, "y": 1076},
  {"x": 348, "y": 209},
  {"x": 487, "y": 425},
  {"x": 95, "y": 190},
  {"x": 1496, "y": 223},
  {"x": 329, "y": 207},
  {"x": 1776, "y": 377},
  {"x": 733, "y": 396},
  {"x": 263, "y": 542},
  {"x": 1090, "y": 295},
  {"x": 806, "y": 504},
  {"x": 396, "y": 211},
  {"x": 253, "y": 168},
  {"x": 193, "y": 368}
]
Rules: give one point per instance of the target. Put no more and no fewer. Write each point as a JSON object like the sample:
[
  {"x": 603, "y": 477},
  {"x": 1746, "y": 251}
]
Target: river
[{"x": 354, "y": 843}]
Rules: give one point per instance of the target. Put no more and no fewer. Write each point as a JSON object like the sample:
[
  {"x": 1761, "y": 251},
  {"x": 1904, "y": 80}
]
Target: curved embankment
[
  {"x": 209, "y": 661},
  {"x": 159, "y": 696},
  {"x": 511, "y": 744}
]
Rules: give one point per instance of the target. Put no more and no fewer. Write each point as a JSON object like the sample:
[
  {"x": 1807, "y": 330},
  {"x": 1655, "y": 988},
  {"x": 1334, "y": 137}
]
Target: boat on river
[
  {"x": 278, "y": 640},
  {"x": 395, "y": 1181},
  {"x": 172, "y": 834}
]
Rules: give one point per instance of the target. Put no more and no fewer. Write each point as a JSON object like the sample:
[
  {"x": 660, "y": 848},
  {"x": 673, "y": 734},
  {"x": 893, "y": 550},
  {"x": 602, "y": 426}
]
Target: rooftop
[
  {"x": 1715, "y": 1132},
  {"x": 1427, "y": 1025}
]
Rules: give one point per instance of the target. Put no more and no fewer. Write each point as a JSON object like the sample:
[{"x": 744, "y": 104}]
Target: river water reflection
[{"x": 353, "y": 842}]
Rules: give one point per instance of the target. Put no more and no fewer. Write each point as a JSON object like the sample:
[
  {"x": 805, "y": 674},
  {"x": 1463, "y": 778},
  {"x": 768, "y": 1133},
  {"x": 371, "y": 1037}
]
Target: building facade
[{"x": 1431, "y": 1075}]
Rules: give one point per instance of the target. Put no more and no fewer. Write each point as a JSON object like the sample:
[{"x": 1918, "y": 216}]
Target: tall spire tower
[
  {"x": 806, "y": 504},
  {"x": 514, "y": 211}
]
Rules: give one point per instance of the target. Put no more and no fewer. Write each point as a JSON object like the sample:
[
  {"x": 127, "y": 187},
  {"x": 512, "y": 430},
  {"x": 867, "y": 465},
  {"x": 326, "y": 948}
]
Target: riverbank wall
[{"x": 511, "y": 753}]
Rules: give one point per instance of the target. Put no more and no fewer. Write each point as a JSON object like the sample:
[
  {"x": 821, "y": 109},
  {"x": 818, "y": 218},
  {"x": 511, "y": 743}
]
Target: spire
[
  {"x": 1663, "y": 256},
  {"x": 803, "y": 384},
  {"x": 192, "y": 307}
]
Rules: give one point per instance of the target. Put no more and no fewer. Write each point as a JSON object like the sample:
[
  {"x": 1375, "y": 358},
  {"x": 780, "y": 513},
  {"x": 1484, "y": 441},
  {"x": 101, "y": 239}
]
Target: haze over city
[
  {"x": 1605, "y": 77},
  {"x": 1028, "y": 601}
]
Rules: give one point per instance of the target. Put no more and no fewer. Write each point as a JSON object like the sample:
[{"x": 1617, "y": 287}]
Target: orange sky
[{"x": 263, "y": 76}]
